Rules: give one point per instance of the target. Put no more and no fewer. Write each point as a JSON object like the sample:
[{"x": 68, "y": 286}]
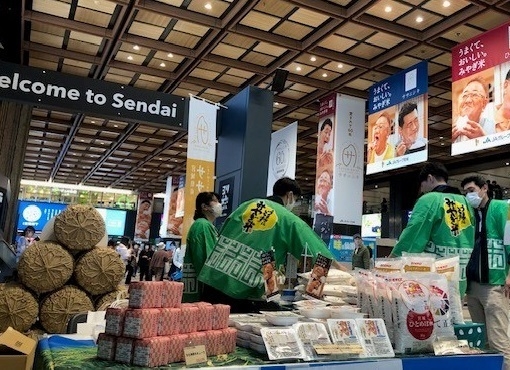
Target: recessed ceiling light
[
  {"x": 130, "y": 57},
  {"x": 340, "y": 65},
  {"x": 115, "y": 125},
  {"x": 208, "y": 6},
  {"x": 507, "y": 163},
  {"x": 93, "y": 121},
  {"x": 446, "y": 4},
  {"x": 441, "y": 138},
  {"x": 376, "y": 186},
  {"x": 162, "y": 64},
  {"x": 324, "y": 75},
  {"x": 298, "y": 68},
  {"x": 136, "y": 47},
  {"x": 276, "y": 103},
  {"x": 442, "y": 144},
  {"x": 313, "y": 59},
  {"x": 387, "y": 9},
  {"x": 170, "y": 55},
  {"x": 419, "y": 19},
  {"x": 102, "y": 143},
  {"x": 82, "y": 140}
]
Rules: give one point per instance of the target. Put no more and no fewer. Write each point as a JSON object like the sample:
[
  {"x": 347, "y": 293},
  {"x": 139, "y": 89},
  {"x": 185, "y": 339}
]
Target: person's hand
[
  {"x": 322, "y": 206},
  {"x": 457, "y": 131},
  {"x": 473, "y": 130},
  {"x": 401, "y": 149}
]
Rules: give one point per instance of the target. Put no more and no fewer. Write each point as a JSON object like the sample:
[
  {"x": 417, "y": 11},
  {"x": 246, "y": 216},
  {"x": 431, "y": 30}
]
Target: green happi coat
[
  {"x": 258, "y": 225},
  {"x": 443, "y": 224},
  {"x": 497, "y": 215},
  {"x": 200, "y": 241}
]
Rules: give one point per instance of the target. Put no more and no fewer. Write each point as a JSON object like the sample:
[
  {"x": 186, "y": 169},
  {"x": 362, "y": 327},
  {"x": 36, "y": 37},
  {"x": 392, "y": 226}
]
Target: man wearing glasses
[
  {"x": 470, "y": 122},
  {"x": 408, "y": 129}
]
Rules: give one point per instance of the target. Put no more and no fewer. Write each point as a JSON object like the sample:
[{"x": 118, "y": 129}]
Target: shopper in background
[
  {"x": 488, "y": 290},
  {"x": 200, "y": 241},
  {"x": 24, "y": 241},
  {"x": 122, "y": 249},
  {"x": 177, "y": 262},
  {"x": 144, "y": 260},
  {"x": 135, "y": 252},
  {"x": 361, "y": 254},
  {"x": 442, "y": 221},
  {"x": 157, "y": 264},
  {"x": 130, "y": 265},
  {"x": 232, "y": 273}
]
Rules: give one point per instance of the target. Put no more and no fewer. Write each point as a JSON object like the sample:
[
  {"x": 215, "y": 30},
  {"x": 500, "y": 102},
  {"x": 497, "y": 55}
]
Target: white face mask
[
  {"x": 474, "y": 199},
  {"x": 291, "y": 205},
  {"x": 217, "y": 209}
]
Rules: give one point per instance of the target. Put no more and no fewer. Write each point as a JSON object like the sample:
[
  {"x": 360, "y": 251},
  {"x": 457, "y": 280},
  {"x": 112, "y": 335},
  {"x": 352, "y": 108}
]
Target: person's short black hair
[
  {"x": 508, "y": 75},
  {"x": 124, "y": 240},
  {"x": 111, "y": 243},
  {"x": 478, "y": 180},
  {"x": 436, "y": 169},
  {"x": 327, "y": 122},
  {"x": 404, "y": 111},
  {"x": 284, "y": 185}
]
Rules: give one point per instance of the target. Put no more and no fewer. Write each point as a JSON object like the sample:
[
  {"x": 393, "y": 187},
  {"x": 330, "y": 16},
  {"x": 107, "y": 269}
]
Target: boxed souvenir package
[
  {"x": 169, "y": 321},
  {"x": 141, "y": 323},
  {"x": 228, "y": 341},
  {"x": 375, "y": 338},
  {"x": 176, "y": 348},
  {"x": 205, "y": 316},
  {"x": 309, "y": 334},
  {"x": 345, "y": 332},
  {"x": 269, "y": 275},
  {"x": 124, "y": 350},
  {"x": 114, "y": 321},
  {"x": 198, "y": 338},
  {"x": 151, "y": 352},
  {"x": 220, "y": 316},
  {"x": 145, "y": 294},
  {"x": 106, "y": 346},
  {"x": 320, "y": 270},
  {"x": 171, "y": 294},
  {"x": 212, "y": 344},
  {"x": 281, "y": 343},
  {"x": 189, "y": 318}
]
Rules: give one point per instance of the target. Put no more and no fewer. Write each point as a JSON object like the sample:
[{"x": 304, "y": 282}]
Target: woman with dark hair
[{"x": 202, "y": 236}]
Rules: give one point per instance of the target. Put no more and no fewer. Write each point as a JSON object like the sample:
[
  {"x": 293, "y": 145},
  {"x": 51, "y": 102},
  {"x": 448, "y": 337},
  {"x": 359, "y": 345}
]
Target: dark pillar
[
  {"x": 14, "y": 128},
  {"x": 244, "y": 143},
  {"x": 404, "y": 190}
]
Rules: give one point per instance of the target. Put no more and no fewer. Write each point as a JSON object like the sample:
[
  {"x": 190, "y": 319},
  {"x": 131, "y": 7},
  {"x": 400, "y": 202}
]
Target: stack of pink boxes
[{"x": 156, "y": 327}]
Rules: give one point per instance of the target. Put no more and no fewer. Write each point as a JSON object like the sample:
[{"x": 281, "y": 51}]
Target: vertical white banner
[
  {"x": 282, "y": 158},
  {"x": 349, "y": 160},
  {"x": 166, "y": 208}
]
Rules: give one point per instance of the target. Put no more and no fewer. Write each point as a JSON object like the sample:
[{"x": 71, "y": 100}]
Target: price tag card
[
  {"x": 337, "y": 349},
  {"x": 195, "y": 355}
]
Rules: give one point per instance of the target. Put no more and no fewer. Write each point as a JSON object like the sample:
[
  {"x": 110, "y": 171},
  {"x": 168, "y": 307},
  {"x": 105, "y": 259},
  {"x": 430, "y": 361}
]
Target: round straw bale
[
  {"x": 45, "y": 266},
  {"x": 18, "y": 308},
  {"x": 99, "y": 271},
  {"x": 58, "y": 308},
  {"x": 79, "y": 227},
  {"x": 104, "y": 301}
]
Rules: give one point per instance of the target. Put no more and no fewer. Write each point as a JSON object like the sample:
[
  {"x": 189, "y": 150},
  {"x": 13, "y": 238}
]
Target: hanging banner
[
  {"x": 481, "y": 91},
  {"x": 398, "y": 120},
  {"x": 282, "y": 158},
  {"x": 171, "y": 224},
  {"x": 348, "y": 158},
  {"x": 143, "y": 217},
  {"x": 323, "y": 201},
  {"x": 199, "y": 178}
]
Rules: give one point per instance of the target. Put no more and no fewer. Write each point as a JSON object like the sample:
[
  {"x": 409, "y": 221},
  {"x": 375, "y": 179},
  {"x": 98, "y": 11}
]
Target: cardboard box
[{"x": 17, "y": 351}]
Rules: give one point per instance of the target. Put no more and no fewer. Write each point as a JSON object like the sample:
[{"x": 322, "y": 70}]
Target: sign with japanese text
[
  {"x": 282, "y": 157},
  {"x": 201, "y": 156},
  {"x": 397, "y": 121},
  {"x": 481, "y": 91}
]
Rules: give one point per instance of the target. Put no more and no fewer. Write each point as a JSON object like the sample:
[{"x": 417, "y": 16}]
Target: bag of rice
[
  {"x": 418, "y": 262},
  {"x": 392, "y": 283},
  {"x": 388, "y": 265},
  {"x": 440, "y": 306},
  {"x": 414, "y": 322},
  {"x": 450, "y": 268}
]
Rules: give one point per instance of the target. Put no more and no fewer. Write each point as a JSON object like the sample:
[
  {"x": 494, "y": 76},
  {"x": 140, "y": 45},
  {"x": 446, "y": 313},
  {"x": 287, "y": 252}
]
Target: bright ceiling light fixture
[
  {"x": 129, "y": 57},
  {"x": 136, "y": 47},
  {"x": 208, "y": 6},
  {"x": 170, "y": 55},
  {"x": 419, "y": 19},
  {"x": 446, "y": 3},
  {"x": 388, "y": 9},
  {"x": 313, "y": 59}
]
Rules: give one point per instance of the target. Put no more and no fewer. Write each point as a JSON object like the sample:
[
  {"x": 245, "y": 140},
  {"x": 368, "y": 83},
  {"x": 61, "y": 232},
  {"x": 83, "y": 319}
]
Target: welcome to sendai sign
[{"x": 55, "y": 90}]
